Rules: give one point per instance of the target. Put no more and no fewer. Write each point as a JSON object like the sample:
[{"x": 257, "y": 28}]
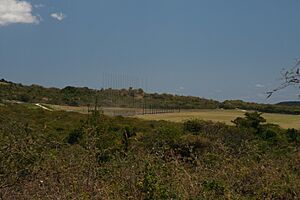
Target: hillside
[
  {"x": 289, "y": 103},
  {"x": 82, "y": 96},
  {"x": 127, "y": 98}
]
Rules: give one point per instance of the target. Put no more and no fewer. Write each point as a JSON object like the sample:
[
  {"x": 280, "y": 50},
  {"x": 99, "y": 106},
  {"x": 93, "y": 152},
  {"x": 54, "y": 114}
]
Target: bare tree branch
[{"x": 290, "y": 77}]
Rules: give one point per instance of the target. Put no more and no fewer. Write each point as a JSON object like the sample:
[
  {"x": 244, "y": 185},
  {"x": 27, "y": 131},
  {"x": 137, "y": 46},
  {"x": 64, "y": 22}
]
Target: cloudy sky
[{"x": 210, "y": 48}]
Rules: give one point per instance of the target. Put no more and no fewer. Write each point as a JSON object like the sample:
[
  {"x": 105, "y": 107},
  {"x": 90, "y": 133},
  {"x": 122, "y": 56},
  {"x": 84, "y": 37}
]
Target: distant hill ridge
[
  {"x": 82, "y": 96},
  {"x": 289, "y": 103}
]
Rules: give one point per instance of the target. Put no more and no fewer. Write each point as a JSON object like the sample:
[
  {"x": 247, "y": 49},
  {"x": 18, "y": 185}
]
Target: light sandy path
[{"x": 43, "y": 107}]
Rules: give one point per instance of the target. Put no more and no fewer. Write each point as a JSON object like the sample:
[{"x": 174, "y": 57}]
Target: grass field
[
  {"x": 216, "y": 115},
  {"x": 226, "y": 116}
]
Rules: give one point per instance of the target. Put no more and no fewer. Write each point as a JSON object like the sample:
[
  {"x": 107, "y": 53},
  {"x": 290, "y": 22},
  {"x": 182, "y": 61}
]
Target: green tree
[{"x": 251, "y": 120}]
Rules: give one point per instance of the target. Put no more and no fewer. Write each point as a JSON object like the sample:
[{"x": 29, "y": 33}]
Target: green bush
[
  {"x": 163, "y": 161},
  {"x": 167, "y": 135},
  {"x": 251, "y": 120},
  {"x": 271, "y": 133},
  {"x": 293, "y": 135},
  {"x": 193, "y": 125},
  {"x": 24, "y": 98},
  {"x": 191, "y": 145},
  {"x": 151, "y": 185},
  {"x": 213, "y": 186},
  {"x": 75, "y": 135}
]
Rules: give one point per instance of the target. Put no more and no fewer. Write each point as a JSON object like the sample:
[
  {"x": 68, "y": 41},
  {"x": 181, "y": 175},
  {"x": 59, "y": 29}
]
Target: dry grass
[{"x": 226, "y": 116}]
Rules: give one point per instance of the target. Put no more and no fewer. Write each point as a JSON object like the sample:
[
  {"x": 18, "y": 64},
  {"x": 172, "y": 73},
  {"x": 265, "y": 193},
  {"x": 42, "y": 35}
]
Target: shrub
[
  {"x": 189, "y": 146},
  {"x": 161, "y": 139},
  {"x": 293, "y": 135},
  {"x": 270, "y": 133},
  {"x": 103, "y": 157},
  {"x": 193, "y": 125},
  {"x": 151, "y": 185},
  {"x": 168, "y": 135},
  {"x": 213, "y": 186},
  {"x": 72, "y": 103},
  {"x": 251, "y": 120},
  {"x": 75, "y": 135},
  {"x": 24, "y": 98}
]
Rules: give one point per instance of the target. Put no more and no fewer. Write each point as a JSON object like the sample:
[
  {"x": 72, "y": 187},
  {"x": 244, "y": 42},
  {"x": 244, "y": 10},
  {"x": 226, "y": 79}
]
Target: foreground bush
[{"x": 58, "y": 155}]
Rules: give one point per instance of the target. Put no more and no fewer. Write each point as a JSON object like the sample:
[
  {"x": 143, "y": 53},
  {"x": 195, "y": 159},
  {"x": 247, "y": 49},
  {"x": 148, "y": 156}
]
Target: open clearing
[
  {"x": 216, "y": 115},
  {"x": 226, "y": 116}
]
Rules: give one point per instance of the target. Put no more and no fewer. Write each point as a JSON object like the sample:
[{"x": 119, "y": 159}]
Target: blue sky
[{"x": 210, "y": 48}]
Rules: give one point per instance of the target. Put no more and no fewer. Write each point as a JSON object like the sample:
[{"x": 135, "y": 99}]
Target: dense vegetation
[
  {"x": 78, "y": 96},
  {"x": 60, "y": 155}
]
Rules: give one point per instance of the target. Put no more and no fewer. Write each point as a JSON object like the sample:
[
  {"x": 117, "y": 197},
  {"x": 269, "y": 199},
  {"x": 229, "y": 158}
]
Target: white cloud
[
  {"x": 59, "y": 16},
  {"x": 259, "y": 85},
  {"x": 15, "y": 11}
]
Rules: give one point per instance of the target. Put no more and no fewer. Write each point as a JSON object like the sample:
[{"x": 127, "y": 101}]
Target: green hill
[
  {"x": 289, "y": 103},
  {"x": 127, "y": 98},
  {"x": 78, "y": 96}
]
